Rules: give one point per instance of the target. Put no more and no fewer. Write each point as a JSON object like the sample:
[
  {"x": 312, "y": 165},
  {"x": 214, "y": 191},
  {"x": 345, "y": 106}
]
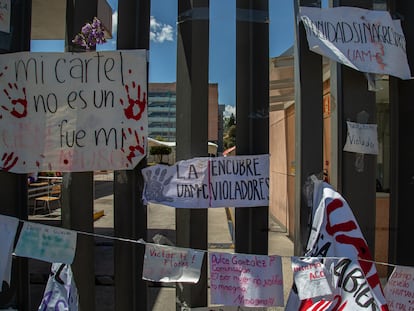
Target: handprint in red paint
[
  {"x": 138, "y": 147},
  {"x": 19, "y": 109},
  {"x": 9, "y": 160},
  {"x": 136, "y": 107}
]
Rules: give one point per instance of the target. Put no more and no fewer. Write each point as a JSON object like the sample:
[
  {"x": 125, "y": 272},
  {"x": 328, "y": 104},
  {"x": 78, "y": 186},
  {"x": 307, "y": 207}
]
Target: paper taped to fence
[
  {"x": 399, "y": 289},
  {"x": 240, "y": 181},
  {"x": 365, "y": 40},
  {"x": 8, "y": 228}
]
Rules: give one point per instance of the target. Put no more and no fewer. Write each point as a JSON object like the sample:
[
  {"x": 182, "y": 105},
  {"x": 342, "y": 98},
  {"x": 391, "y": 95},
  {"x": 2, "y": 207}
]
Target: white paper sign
[
  {"x": 311, "y": 277},
  {"x": 246, "y": 280},
  {"x": 8, "y": 227},
  {"x": 399, "y": 290},
  {"x": 241, "y": 181},
  {"x": 171, "y": 264},
  {"x": 47, "y": 243},
  {"x": 5, "y": 9},
  {"x": 72, "y": 111},
  {"x": 365, "y": 40},
  {"x": 361, "y": 138}
]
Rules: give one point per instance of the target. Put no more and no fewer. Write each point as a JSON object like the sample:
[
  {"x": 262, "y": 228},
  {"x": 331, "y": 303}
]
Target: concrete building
[{"x": 162, "y": 108}]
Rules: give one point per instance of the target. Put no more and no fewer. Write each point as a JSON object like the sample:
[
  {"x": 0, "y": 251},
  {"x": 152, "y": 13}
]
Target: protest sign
[
  {"x": 8, "y": 228},
  {"x": 361, "y": 138},
  {"x": 399, "y": 289},
  {"x": 239, "y": 181},
  {"x": 47, "y": 243},
  {"x": 171, "y": 264},
  {"x": 226, "y": 308},
  {"x": 335, "y": 233},
  {"x": 365, "y": 40},
  {"x": 311, "y": 277},
  {"x": 72, "y": 111},
  {"x": 246, "y": 280},
  {"x": 5, "y": 12}
]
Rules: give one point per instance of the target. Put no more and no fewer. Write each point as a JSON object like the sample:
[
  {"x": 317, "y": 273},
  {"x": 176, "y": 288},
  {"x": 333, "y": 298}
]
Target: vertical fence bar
[
  {"x": 192, "y": 129},
  {"x": 78, "y": 188},
  {"x": 13, "y": 190},
  {"x": 130, "y": 214},
  {"x": 252, "y": 117},
  {"x": 308, "y": 125}
]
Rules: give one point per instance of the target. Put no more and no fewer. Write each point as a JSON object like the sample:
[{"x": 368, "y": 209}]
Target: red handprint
[
  {"x": 138, "y": 147},
  {"x": 9, "y": 160},
  {"x": 135, "y": 104},
  {"x": 19, "y": 103}
]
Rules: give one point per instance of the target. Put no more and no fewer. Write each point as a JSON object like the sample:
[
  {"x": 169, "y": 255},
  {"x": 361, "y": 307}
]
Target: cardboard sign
[
  {"x": 365, "y": 40},
  {"x": 72, "y": 112},
  {"x": 241, "y": 181}
]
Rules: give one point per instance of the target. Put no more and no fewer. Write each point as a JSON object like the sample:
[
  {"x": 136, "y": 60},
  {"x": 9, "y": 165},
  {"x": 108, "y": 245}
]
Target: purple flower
[{"x": 91, "y": 34}]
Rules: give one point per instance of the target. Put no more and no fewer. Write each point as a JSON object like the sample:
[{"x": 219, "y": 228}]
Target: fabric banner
[
  {"x": 246, "y": 280},
  {"x": 171, "y": 264},
  {"x": 8, "y": 228},
  {"x": 335, "y": 233},
  {"x": 361, "y": 138},
  {"x": 60, "y": 293},
  {"x": 239, "y": 181},
  {"x": 73, "y": 112},
  {"x": 365, "y": 40},
  {"x": 399, "y": 289}
]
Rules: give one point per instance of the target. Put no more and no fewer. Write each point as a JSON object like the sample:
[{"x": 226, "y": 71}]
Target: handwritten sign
[
  {"x": 361, "y": 138},
  {"x": 311, "y": 277},
  {"x": 5, "y": 9},
  {"x": 246, "y": 280},
  {"x": 365, "y": 40},
  {"x": 336, "y": 233},
  {"x": 171, "y": 264},
  {"x": 8, "y": 228},
  {"x": 72, "y": 111},
  {"x": 226, "y": 308},
  {"x": 209, "y": 182},
  {"x": 47, "y": 243},
  {"x": 399, "y": 289}
]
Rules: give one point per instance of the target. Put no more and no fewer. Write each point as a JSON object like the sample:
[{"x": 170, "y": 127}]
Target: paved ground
[{"x": 161, "y": 219}]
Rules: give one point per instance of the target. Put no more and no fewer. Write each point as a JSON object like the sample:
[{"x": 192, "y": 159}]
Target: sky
[{"x": 222, "y": 52}]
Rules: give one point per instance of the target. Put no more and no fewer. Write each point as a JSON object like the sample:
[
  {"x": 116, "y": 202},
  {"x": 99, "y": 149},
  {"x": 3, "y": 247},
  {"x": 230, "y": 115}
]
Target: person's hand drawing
[{"x": 155, "y": 185}]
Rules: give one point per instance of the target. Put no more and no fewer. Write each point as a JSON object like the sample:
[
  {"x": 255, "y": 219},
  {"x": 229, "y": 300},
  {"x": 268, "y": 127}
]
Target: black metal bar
[
  {"x": 349, "y": 90},
  {"x": 13, "y": 190},
  {"x": 192, "y": 129},
  {"x": 130, "y": 214},
  {"x": 252, "y": 117},
  {"x": 309, "y": 126},
  {"x": 402, "y": 151},
  {"x": 78, "y": 188}
]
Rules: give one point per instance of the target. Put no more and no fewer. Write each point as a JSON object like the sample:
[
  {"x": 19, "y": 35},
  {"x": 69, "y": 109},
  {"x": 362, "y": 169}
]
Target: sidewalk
[{"x": 161, "y": 220}]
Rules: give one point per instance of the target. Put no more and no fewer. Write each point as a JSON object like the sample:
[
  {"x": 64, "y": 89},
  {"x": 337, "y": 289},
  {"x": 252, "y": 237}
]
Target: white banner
[
  {"x": 238, "y": 181},
  {"x": 335, "y": 233},
  {"x": 73, "y": 111},
  {"x": 361, "y": 138},
  {"x": 365, "y": 40}
]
